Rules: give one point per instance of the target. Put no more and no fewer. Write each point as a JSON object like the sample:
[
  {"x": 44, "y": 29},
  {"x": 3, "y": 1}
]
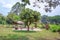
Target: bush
[
  {"x": 58, "y": 29},
  {"x": 55, "y": 28}
]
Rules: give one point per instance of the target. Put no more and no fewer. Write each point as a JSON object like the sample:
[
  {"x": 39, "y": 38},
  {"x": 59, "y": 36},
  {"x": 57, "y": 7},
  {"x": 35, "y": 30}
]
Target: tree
[
  {"x": 2, "y": 19},
  {"x": 36, "y": 17},
  {"x": 26, "y": 2},
  {"x": 54, "y": 19},
  {"x": 48, "y": 8},
  {"x": 17, "y": 8},
  {"x": 13, "y": 17},
  {"x": 28, "y": 17},
  {"x": 44, "y": 19}
]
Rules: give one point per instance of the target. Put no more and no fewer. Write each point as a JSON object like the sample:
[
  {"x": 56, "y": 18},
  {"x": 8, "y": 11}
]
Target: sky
[{"x": 6, "y": 5}]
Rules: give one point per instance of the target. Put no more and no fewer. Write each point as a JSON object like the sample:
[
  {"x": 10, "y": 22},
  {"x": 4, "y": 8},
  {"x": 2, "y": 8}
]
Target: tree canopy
[
  {"x": 12, "y": 17},
  {"x": 29, "y": 16},
  {"x": 17, "y": 8},
  {"x": 47, "y": 8}
]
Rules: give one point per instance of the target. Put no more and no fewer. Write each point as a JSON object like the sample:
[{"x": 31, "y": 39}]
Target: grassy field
[{"x": 9, "y": 34}]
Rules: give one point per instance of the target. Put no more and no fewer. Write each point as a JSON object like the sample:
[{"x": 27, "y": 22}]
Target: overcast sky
[{"x": 5, "y": 7}]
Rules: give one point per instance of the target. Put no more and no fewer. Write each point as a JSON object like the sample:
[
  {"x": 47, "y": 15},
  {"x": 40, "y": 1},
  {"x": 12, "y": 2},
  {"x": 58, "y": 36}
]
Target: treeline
[
  {"x": 44, "y": 19},
  {"x": 51, "y": 19},
  {"x": 6, "y": 20},
  {"x": 19, "y": 9}
]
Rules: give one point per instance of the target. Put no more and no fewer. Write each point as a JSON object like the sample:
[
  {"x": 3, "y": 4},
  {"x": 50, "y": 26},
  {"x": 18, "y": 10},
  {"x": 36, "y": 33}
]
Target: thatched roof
[{"x": 20, "y": 22}]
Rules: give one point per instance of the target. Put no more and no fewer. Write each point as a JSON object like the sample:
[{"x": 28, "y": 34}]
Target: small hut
[{"x": 18, "y": 25}]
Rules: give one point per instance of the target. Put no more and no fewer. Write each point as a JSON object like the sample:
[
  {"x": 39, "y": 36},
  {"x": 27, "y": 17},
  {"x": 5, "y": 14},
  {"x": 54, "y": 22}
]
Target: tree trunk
[
  {"x": 25, "y": 25},
  {"x": 35, "y": 24},
  {"x": 28, "y": 28},
  {"x": 47, "y": 26}
]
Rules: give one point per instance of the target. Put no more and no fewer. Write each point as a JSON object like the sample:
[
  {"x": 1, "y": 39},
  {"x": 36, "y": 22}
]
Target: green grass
[{"x": 9, "y": 34}]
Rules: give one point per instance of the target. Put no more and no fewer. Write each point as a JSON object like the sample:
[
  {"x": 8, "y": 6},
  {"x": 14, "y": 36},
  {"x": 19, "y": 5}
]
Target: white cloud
[
  {"x": 7, "y": 5},
  {"x": 55, "y": 11},
  {"x": 1, "y": 1}
]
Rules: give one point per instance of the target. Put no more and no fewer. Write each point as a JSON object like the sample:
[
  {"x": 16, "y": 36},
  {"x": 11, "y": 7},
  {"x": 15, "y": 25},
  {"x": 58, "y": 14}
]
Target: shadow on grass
[
  {"x": 14, "y": 37},
  {"x": 27, "y": 37},
  {"x": 24, "y": 37},
  {"x": 25, "y": 31}
]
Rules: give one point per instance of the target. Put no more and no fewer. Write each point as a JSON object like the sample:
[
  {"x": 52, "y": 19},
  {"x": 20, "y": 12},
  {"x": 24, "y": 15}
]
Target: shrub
[
  {"x": 55, "y": 28},
  {"x": 58, "y": 29}
]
